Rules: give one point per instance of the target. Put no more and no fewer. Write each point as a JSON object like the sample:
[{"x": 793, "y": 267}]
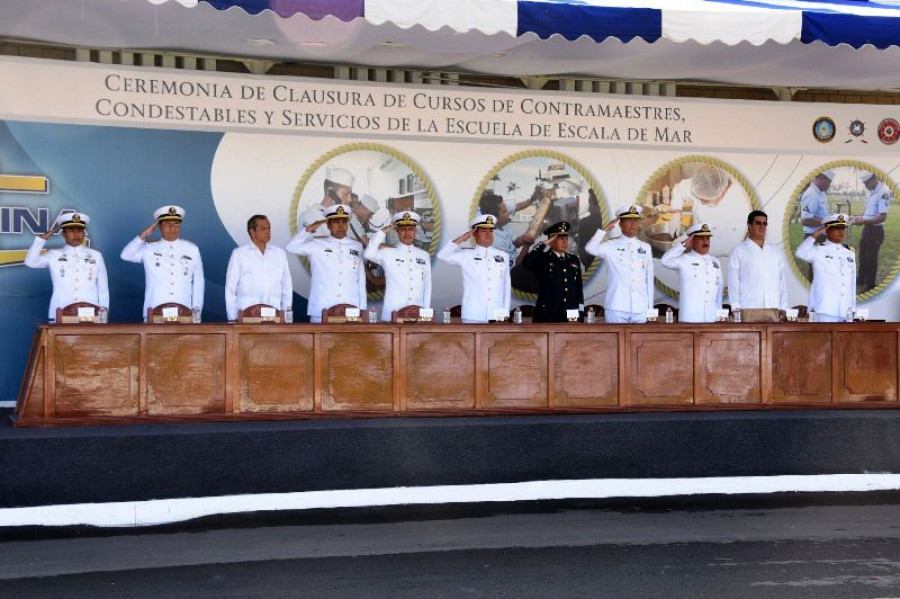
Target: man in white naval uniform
[
  {"x": 172, "y": 266},
  {"x": 338, "y": 274},
  {"x": 78, "y": 273},
  {"x": 257, "y": 272},
  {"x": 878, "y": 198},
  {"x": 629, "y": 293},
  {"x": 406, "y": 267},
  {"x": 700, "y": 275},
  {"x": 757, "y": 270},
  {"x": 832, "y": 294},
  {"x": 485, "y": 271}
]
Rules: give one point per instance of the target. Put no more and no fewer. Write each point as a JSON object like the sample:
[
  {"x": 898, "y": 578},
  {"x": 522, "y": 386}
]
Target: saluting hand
[
  {"x": 465, "y": 236},
  {"x": 147, "y": 232},
  {"x": 609, "y": 226},
  {"x": 50, "y": 233},
  {"x": 312, "y": 228}
]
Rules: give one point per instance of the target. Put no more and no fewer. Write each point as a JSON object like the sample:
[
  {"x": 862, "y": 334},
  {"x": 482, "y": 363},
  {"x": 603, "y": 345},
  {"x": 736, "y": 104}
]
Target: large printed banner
[{"x": 117, "y": 142}]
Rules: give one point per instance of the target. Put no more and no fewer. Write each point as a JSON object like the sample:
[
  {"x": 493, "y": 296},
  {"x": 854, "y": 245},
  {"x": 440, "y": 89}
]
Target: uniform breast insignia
[
  {"x": 477, "y": 258},
  {"x": 620, "y": 249},
  {"x": 328, "y": 250},
  {"x": 715, "y": 265},
  {"x": 420, "y": 261},
  {"x": 885, "y": 196},
  {"x": 354, "y": 252},
  {"x": 499, "y": 259},
  {"x": 695, "y": 264},
  {"x": 186, "y": 258},
  {"x": 641, "y": 251},
  {"x": 850, "y": 259}
]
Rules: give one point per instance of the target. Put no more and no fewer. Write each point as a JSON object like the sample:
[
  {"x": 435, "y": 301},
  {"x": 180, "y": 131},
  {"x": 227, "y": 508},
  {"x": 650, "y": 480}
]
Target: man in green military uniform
[{"x": 559, "y": 276}]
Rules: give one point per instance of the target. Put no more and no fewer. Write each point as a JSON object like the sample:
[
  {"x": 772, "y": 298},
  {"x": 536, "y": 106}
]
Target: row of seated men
[{"x": 258, "y": 271}]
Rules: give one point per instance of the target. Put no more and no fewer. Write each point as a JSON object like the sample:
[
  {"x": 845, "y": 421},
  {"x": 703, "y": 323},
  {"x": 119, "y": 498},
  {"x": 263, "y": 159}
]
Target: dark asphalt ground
[{"x": 815, "y": 547}]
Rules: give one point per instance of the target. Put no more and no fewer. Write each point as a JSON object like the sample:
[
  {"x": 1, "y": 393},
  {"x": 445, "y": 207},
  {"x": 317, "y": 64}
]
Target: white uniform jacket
[
  {"x": 256, "y": 277},
  {"x": 756, "y": 276},
  {"x": 338, "y": 271},
  {"x": 486, "y": 282},
  {"x": 833, "y": 290},
  {"x": 630, "y": 265},
  {"x": 78, "y": 274},
  {"x": 173, "y": 271},
  {"x": 408, "y": 273},
  {"x": 701, "y": 284}
]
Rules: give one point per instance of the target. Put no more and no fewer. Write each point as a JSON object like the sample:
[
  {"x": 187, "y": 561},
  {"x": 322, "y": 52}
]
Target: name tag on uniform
[{"x": 186, "y": 258}]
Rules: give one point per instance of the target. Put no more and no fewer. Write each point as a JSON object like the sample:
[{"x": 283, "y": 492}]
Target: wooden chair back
[
  {"x": 155, "y": 314},
  {"x": 253, "y": 314},
  {"x": 69, "y": 314}
]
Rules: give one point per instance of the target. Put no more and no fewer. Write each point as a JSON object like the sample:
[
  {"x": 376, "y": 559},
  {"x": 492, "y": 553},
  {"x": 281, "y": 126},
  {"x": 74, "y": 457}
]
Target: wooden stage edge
[{"x": 83, "y": 374}]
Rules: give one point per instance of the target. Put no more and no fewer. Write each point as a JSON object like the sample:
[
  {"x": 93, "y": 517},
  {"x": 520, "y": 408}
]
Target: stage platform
[{"x": 135, "y": 463}]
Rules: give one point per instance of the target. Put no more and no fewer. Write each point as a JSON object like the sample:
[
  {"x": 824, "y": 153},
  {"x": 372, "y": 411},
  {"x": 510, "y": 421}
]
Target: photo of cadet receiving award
[
  {"x": 376, "y": 182},
  {"x": 866, "y": 196},
  {"x": 691, "y": 190},
  {"x": 530, "y": 191}
]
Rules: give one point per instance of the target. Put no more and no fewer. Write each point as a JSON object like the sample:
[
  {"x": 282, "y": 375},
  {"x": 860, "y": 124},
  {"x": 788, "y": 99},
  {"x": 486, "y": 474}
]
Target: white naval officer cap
[
  {"x": 836, "y": 220},
  {"x": 865, "y": 176},
  {"x": 369, "y": 202},
  {"x": 71, "y": 220},
  {"x": 340, "y": 176},
  {"x": 338, "y": 211},
  {"x": 699, "y": 230},
  {"x": 829, "y": 174},
  {"x": 175, "y": 213},
  {"x": 380, "y": 218},
  {"x": 628, "y": 211},
  {"x": 407, "y": 217},
  {"x": 483, "y": 221}
]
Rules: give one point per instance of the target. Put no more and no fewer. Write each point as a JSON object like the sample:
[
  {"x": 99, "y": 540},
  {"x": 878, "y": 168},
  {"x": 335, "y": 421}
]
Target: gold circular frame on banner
[
  {"x": 369, "y": 147},
  {"x": 665, "y": 168},
  {"x": 552, "y": 155},
  {"x": 792, "y": 204}
]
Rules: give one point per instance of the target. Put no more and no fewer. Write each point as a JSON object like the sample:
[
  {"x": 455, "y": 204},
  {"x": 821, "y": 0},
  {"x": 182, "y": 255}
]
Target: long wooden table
[{"x": 91, "y": 374}]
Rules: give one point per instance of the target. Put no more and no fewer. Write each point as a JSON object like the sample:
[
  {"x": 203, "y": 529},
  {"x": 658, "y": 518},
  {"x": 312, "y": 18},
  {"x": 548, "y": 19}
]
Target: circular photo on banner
[
  {"x": 528, "y": 192},
  {"x": 868, "y": 197},
  {"x": 690, "y": 190},
  {"x": 376, "y": 181}
]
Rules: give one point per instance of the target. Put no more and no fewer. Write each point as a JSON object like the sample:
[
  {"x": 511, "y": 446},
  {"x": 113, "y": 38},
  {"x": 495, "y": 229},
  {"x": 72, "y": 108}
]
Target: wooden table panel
[
  {"x": 185, "y": 373},
  {"x": 728, "y": 368},
  {"x": 276, "y": 372},
  {"x": 516, "y": 369},
  {"x": 97, "y": 375},
  {"x": 867, "y": 366},
  {"x": 586, "y": 369},
  {"x": 661, "y": 368},
  {"x": 358, "y": 371},
  {"x": 801, "y": 366},
  {"x": 440, "y": 371}
]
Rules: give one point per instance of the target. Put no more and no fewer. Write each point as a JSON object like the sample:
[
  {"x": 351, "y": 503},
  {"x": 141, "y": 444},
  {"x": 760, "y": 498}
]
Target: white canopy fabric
[{"x": 853, "y": 44}]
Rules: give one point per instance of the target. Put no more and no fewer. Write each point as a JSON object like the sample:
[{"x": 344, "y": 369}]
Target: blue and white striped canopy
[
  {"x": 851, "y": 44},
  {"x": 853, "y": 22}
]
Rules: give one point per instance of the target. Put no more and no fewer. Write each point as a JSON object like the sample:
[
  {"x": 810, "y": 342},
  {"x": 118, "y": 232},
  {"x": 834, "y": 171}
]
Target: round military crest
[
  {"x": 889, "y": 131},
  {"x": 823, "y": 129},
  {"x": 857, "y": 128}
]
